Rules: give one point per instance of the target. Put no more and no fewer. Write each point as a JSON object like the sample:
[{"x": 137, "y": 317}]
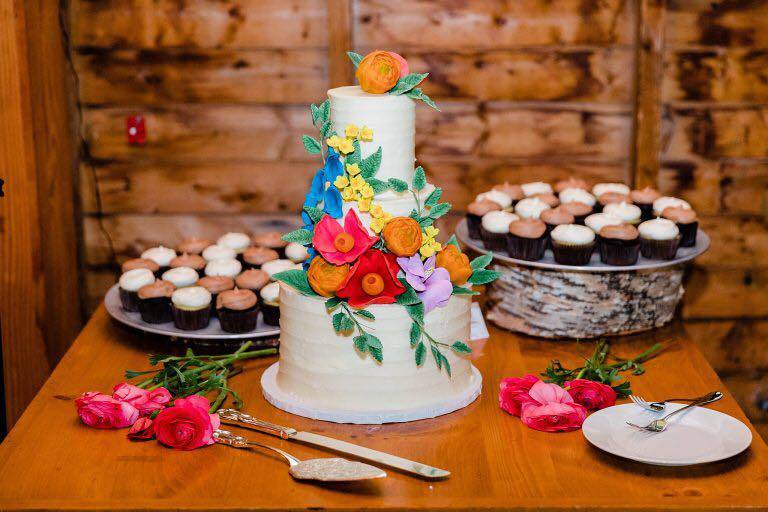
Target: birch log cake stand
[{"x": 543, "y": 298}]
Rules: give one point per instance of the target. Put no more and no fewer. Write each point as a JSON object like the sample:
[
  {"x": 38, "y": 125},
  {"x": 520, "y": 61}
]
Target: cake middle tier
[{"x": 392, "y": 119}]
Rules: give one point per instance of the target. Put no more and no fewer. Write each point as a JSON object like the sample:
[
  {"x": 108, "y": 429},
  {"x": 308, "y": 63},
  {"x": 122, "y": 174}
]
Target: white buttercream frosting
[
  {"x": 573, "y": 234},
  {"x": 598, "y": 221},
  {"x": 497, "y": 196},
  {"x": 667, "y": 201},
  {"x": 226, "y": 268},
  {"x": 160, "y": 255},
  {"x": 498, "y": 222},
  {"x": 580, "y": 195},
  {"x": 296, "y": 252},
  {"x": 181, "y": 276},
  {"x": 627, "y": 212},
  {"x": 218, "y": 252},
  {"x": 658, "y": 229},
  {"x": 601, "y": 188},
  {"x": 531, "y": 207},
  {"x": 236, "y": 241},
  {"x": 270, "y": 293},
  {"x": 536, "y": 187},
  {"x": 275, "y": 266},
  {"x": 191, "y": 297},
  {"x": 134, "y": 279}
]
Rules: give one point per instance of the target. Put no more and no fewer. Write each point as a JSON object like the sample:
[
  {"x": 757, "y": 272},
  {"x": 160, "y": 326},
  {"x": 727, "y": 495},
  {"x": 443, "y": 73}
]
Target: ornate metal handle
[
  {"x": 227, "y": 437},
  {"x": 241, "y": 417}
]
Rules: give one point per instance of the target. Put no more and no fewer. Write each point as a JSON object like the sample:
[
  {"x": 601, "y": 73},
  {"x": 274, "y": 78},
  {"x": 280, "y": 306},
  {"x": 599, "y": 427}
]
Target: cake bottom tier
[{"x": 320, "y": 369}]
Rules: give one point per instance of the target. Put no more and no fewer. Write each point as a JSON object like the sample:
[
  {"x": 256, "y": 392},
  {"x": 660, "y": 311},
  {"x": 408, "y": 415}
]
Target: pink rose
[
  {"x": 145, "y": 401},
  {"x": 592, "y": 395},
  {"x": 128, "y": 392},
  {"x": 187, "y": 425},
  {"x": 142, "y": 430},
  {"x": 514, "y": 393},
  {"x": 552, "y": 409},
  {"x": 102, "y": 411}
]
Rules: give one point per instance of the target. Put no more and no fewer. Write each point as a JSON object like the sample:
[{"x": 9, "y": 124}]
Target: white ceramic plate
[{"x": 697, "y": 436}]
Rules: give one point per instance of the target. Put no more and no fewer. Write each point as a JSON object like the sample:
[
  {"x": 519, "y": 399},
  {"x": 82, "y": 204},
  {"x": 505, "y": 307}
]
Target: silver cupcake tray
[
  {"x": 595, "y": 265},
  {"x": 212, "y": 332}
]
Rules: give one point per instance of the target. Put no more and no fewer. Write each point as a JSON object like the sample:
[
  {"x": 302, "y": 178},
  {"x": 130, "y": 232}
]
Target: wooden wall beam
[{"x": 340, "y": 70}]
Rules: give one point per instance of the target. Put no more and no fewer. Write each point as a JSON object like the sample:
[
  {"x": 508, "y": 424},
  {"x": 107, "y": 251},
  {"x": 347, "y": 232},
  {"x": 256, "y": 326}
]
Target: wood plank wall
[{"x": 530, "y": 89}]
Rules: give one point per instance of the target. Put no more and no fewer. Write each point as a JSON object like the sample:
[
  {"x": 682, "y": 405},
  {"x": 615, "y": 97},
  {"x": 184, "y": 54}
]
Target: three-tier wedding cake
[{"x": 374, "y": 329}]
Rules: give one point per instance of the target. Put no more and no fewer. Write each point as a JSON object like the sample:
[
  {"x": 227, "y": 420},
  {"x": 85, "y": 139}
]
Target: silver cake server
[{"x": 393, "y": 461}]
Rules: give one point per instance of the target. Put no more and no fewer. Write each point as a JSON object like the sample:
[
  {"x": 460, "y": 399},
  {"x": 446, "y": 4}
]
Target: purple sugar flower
[{"x": 432, "y": 284}]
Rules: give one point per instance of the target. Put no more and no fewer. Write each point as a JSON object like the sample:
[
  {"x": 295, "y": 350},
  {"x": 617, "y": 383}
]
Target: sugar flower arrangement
[{"x": 399, "y": 260}]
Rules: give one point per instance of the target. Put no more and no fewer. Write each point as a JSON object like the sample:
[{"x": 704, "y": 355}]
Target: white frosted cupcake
[
  {"x": 598, "y": 221},
  {"x": 665, "y": 202},
  {"x": 129, "y": 285},
  {"x": 160, "y": 255},
  {"x": 191, "y": 307},
  {"x": 219, "y": 252},
  {"x": 276, "y": 266},
  {"x": 226, "y": 268},
  {"x": 494, "y": 228},
  {"x": 297, "y": 253},
  {"x": 659, "y": 239},
  {"x": 572, "y": 244},
  {"x": 601, "y": 188},
  {"x": 536, "y": 187},
  {"x": 181, "y": 276},
  {"x": 627, "y": 212},
  {"x": 270, "y": 303},
  {"x": 238, "y": 242},
  {"x": 531, "y": 208},
  {"x": 497, "y": 196},
  {"x": 578, "y": 195}
]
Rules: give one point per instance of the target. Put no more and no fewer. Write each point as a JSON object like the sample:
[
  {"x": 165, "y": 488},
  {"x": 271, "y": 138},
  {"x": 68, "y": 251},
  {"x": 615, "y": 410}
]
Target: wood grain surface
[{"x": 497, "y": 463}]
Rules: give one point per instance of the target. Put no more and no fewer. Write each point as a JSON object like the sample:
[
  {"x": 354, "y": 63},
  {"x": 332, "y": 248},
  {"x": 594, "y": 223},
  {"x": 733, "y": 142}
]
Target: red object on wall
[{"x": 135, "y": 130}]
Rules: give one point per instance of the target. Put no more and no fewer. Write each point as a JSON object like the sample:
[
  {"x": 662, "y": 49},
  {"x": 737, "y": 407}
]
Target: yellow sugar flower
[
  {"x": 345, "y": 146},
  {"x": 341, "y": 182},
  {"x": 426, "y": 251},
  {"x": 431, "y": 232},
  {"x": 437, "y": 246},
  {"x": 378, "y": 224},
  {"x": 333, "y": 141},
  {"x": 377, "y": 211},
  {"x": 353, "y": 169},
  {"x": 366, "y": 134},
  {"x": 366, "y": 191},
  {"x": 364, "y": 204},
  {"x": 348, "y": 194},
  {"x": 351, "y": 131},
  {"x": 357, "y": 182}
]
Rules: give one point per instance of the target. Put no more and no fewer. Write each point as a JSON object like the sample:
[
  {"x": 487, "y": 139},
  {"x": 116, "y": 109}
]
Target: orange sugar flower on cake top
[{"x": 378, "y": 72}]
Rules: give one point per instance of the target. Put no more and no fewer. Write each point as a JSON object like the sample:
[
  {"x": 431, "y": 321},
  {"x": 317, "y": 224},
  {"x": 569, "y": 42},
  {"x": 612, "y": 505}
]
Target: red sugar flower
[
  {"x": 372, "y": 280},
  {"x": 342, "y": 245}
]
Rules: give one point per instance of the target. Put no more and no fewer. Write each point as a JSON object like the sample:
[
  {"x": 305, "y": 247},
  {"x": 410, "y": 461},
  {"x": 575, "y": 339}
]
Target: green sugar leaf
[
  {"x": 481, "y": 261},
  {"x": 354, "y": 157},
  {"x": 415, "y": 334},
  {"x": 314, "y": 213},
  {"x": 332, "y": 303},
  {"x": 397, "y": 185},
  {"x": 446, "y": 364},
  {"x": 372, "y": 341},
  {"x": 355, "y": 58},
  {"x": 311, "y": 144},
  {"x": 377, "y": 185},
  {"x": 461, "y": 348},
  {"x": 296, "y": 279},
  {"x": 315, "y": 113},
  {"x": 439, "y": 210},
  {"x": 437, "y": 356},
  {"x": 300, "y": 236},
  {"x": 426, "y": 221},
  {"x": 365, "y": 314},
  {"x": 376, "y": 353},
  {"x": 421, "y": 351},
  {"x": 409, "y": 296},
  {"x": 417, "y": 94},
  {"x": 337, "y": 319},
  {"x": 453, "y": 241},
  {"x": 407, "y": 83},
  {"x": 414, "y": 215},
  {"x": 460, "y": 290},
  {"x": 325, "y": 129},
  {"x": 416, "y": 312},
  {"x": 347, "y": 324},
  {"x": 420, "y": 180},
  {"x": 360, "y": 343},
  {"x": 325, "y": 110},
  {"x": 483, "y": 276},
  {"x": 369, "y": 165},
  {"x": 433, "y": 198}
]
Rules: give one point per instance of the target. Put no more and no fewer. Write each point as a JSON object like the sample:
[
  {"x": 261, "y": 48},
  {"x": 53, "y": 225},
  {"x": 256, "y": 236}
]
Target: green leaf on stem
[
  {"x": 415, "y": 334},
  {"x": 420, "y": 180},
  {"x": 297, "y": 279},
  {"x": 433, "y": 198},
  {"x": 460, "y": 347},
  {"x": 483, "y": 276},
  {"x": 365, "y": 314},
  {"x": 311, "y": 144},
  {"x": 397, "y": 185},
  {"x": 355, "y": 58},
  {"x": 369, "y": 165},
  {"x": 315, "y": 214},
  {"x": 419, "y": 354},
  {"x": 300, "y": 236},
  {"x": 481, "y": 261}
]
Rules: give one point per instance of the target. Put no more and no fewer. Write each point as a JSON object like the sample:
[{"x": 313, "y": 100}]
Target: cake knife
[{"x": 290, "y": 434}]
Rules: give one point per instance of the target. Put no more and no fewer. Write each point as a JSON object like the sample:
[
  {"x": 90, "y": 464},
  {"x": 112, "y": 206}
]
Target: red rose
[
  {"x": 513, "y": 393},
  {"x": 145, "y": 401},
  {"x": 592, "y": 395},
  {"x": 372, "y": 280},
  {"x": 102, "y": 411},
  {"x": 142, "y": 430},
  {"x": 552, "y": 409},
  {"x": 187, "y": 425}
]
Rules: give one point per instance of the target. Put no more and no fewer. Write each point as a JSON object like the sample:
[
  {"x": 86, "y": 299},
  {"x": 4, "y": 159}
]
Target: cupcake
[
  {"x": 226, "y": 268},
  {"x": 238, "y": 242},
  {"x": 255, "y": 257},
  {"x": 601, "y": 188},
  {"x": 494, "y": 228},
  {"x": 160, "y": 255},
  {"x": 237, "y": 310},
  {"x": 129, "y": 285},
  {"x": 570, "y": 183},
  {"x": 253, "y": 280},
  {"x": 181, "y": 276},
  {"x": 572, "y": 244},
  {"x": 619, "y": 244},
  {"x": 503, "y": 200},
  {"x": 555, "y": 217},
  {"x": 215, "y": 285},
  {"x": 550, "y": 199},
  {"x": 664, "y": 202},
  {"x": 580, "y": 195},
  {"x": 659, "y": 239},
  {"x": 597, "y": 221},
  {"x": 270, "y": 303},
  {"x": 193, "y": 245},
  {"x": 627, "y": 212},
  {"x": 579, "y": 210},
  {"x": 475, "y": 212},
  {"x": 276, "y": 266},
  {"x": 610, "y": 198},
  {"x": 536, "y": 187},
  {"x": 643, "y": 199},
  {"x": 193, "y": 261},
  {"x": 155, "y": 302},
  {"x": 191, "y": 308},
  {"x": 218, "y": 252},
  {"x": 531, "y": 208},
  {"x": 513, "y": 191},
  {"x": 527, "y": 239},
  {"x": 271, "y": 240},
  {"x": 135, "y": 263},
  {"x": 297, "y": 253},
  {"x": 686, "y": 222}
]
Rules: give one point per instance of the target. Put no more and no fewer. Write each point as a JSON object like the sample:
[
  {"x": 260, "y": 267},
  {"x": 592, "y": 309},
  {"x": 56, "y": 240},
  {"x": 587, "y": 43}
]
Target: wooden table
[{"x": 50, "y": 461}]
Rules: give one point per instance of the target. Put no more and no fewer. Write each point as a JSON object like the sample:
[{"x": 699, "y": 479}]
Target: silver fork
[
  {"x": 659, "y": 406},
  {"x": 660, "y": 424}
]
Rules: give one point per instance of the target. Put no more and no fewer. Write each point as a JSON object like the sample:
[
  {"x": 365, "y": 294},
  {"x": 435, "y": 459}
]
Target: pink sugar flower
[{"x": 342, "y": 245}]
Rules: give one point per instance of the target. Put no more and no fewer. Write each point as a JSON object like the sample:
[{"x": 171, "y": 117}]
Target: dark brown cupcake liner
[
  {"x": 688, "y": 233},
  {"x": 659, "y": 249},
  {"x": 156, "y": 310},
  {"x": 473, "y": 225},
  {"x": 238, "y": 321},
  {"x": 575, "y": 255},
  {"x": 191, "y": 320},
  {"x": 620, "y": 253},
  {"x": 493, "y": 241},
  {"x": 646, "y": 211},
  {"x": 528, "y": 249},
  {"x": 271, "y": 314},
  {"x": 129, "y": 300}
]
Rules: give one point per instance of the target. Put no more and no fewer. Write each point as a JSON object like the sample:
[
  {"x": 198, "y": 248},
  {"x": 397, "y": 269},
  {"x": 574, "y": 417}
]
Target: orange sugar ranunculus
[
  {"x": 456, "y": 263},
  {"x": 326, "y": 278},
  {"x": 378, "y": 72},
  {"x": 402, "y": 236}
]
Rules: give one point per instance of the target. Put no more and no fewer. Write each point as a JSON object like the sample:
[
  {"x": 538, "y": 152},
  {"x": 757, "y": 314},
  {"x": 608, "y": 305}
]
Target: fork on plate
[
  {"x": 659, "y": 406},
  {"x": 658, "y": 425}
]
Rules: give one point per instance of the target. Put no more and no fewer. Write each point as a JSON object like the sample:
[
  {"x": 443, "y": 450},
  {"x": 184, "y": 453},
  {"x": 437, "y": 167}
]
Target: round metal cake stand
[
  {"x": 293, "y": 404},
  {"x": 212, "y": 332}
]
